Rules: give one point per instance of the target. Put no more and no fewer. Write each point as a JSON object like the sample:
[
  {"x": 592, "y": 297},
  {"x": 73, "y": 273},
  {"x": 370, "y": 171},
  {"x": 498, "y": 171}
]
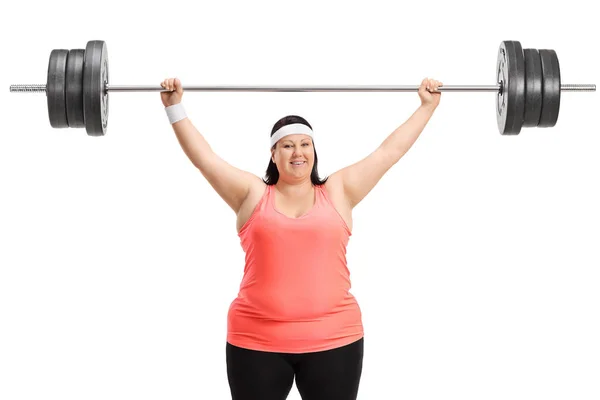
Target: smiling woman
[{"x": 294, "y": 316}]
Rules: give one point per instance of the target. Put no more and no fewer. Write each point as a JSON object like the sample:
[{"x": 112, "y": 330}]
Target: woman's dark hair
[{"x": 272, "y": 174}]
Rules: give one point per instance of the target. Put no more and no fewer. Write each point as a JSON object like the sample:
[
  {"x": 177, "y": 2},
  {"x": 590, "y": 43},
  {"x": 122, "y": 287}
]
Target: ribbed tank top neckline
[
  {"x": 266, "y": 205},
  {"x": 271, "y": 203}
]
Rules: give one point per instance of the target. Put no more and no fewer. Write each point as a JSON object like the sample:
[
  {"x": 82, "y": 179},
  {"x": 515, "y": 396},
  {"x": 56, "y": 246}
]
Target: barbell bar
[{"x": 528, "y": 88}]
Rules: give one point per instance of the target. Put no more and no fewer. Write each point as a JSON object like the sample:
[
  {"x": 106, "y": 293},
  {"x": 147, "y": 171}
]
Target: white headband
[{"x": 290, "y": 130}]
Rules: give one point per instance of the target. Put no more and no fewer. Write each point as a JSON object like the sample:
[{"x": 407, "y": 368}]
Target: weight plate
[
  {"x": 74, "y": 88},
  {"x": 55, "y": 88},
  {"x": 510, "y": 102},
  {"x": 95, "y": 78},
  {"x": 550, "y": 88},
  {"x": 533, "y": 87}
]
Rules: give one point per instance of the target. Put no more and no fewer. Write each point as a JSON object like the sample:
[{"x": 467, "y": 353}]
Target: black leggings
[{"x": 324, "y": 375}]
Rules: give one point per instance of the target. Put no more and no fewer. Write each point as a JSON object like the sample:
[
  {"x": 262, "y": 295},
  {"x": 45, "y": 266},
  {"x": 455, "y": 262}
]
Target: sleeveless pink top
[{"x": 294, "y": 296}]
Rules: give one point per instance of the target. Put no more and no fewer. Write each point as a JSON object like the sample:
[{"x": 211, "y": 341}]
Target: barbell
[{"x": 528, "y": 88}]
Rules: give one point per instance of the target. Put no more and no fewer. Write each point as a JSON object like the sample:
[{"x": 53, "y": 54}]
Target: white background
[{"x": 475, "y": 260}]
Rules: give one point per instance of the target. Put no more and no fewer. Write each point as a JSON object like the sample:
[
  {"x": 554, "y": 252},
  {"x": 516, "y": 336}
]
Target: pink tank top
[{"x": 294, "y": 295}]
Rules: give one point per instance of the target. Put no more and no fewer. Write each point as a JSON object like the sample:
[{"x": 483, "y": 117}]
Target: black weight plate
[
  {"x": 510, "y": 102},
  {"x": 74, "y": 88},
  {"x": 550, "y": 89},
  {"x": 533, "y": 87},
  {"x": 55, "y": 88},
  {"x": 95, "y": 98}
]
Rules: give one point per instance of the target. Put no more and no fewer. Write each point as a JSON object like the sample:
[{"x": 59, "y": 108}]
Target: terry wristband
[{"x": 176, "y": 112}]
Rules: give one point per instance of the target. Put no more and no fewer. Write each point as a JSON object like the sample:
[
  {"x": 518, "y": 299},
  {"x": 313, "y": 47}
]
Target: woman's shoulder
[{"x": 333, "y": 184}]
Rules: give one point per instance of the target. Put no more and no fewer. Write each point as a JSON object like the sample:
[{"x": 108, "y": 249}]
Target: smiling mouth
[{"x": 298, "y": 163}]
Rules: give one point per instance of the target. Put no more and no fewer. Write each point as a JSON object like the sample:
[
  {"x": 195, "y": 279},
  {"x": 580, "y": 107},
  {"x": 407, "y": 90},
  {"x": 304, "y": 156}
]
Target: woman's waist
[
  {"x": 293, "y": 305},
  {"x": 301, "y": 330}
]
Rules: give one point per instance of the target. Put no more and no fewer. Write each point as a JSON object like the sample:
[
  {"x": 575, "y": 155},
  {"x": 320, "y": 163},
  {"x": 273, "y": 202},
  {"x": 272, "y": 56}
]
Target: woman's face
[{"x": 294, "y": 156}]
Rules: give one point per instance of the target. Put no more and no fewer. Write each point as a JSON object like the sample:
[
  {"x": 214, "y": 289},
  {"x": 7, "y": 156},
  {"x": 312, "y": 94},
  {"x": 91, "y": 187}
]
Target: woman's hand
[
  {"x": 428, "y": 93},
  {"x": 174, "y": 95}
]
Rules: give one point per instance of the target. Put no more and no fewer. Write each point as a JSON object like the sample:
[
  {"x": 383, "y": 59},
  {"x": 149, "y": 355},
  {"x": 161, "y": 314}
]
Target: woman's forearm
[
  {"x": 402, "y": 139},
  {"x": 192, "y": 142}
]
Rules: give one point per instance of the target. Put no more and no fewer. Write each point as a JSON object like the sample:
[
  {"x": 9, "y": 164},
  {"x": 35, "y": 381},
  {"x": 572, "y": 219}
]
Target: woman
[{"x": 294, "y": 316}]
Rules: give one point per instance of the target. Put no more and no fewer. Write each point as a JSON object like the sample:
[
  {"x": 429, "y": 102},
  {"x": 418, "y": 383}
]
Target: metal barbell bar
[
  {"x": 528, "y": 88},
  {"x": 41, "y": 88}
]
